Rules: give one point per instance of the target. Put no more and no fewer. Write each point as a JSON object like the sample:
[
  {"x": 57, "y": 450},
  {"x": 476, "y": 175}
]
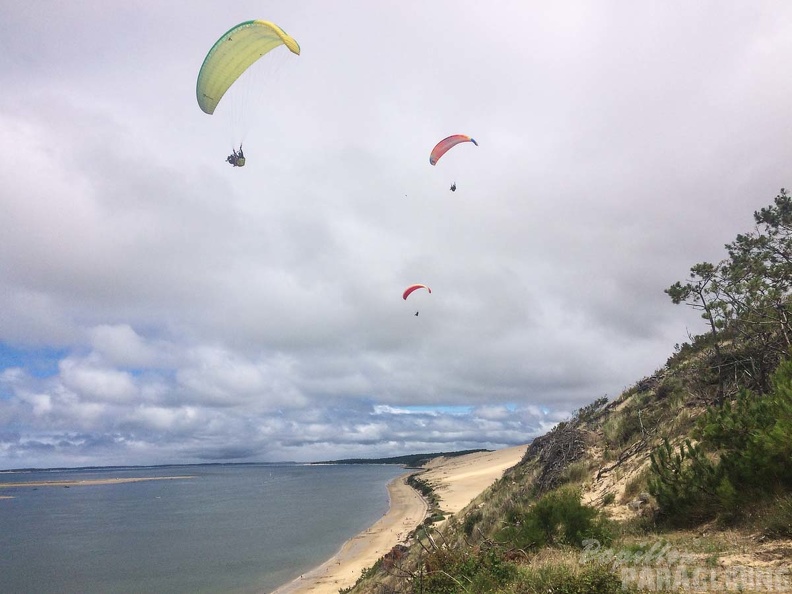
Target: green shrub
[
  {"x": 611, "y": 429},
  {"x": 630, "y": 426},
  {"x": 577, "y": 472},
  {"x": 557, "y": 518},
  {"x": 435, "y": 517},
  {"x": 671, "y": 387},
  {"x": 560, "y": 579},
  {"x": 448, "y": 571},
  {"x": 634, "y": 486},
  {"x": 590, "y": 411},
  {"x": 424, "y": 488},
  {"x": 470, "y": 521},
  {"x": 683, "y": 483},
  {"x": 752, "y": 439},
  {"x": 776, "y": 522}
]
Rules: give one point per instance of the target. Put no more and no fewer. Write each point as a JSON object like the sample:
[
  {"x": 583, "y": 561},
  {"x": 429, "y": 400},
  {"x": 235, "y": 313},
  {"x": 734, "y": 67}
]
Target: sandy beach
[{"x": 458, "y": 481}]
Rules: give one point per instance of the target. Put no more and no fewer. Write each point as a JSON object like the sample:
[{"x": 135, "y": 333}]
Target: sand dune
[{"x": 458, "y": 481}]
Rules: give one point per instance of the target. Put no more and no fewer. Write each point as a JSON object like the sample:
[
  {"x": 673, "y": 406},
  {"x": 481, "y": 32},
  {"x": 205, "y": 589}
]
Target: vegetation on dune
[
  {"x": 687, "y": 473},
  {"x": 557, "y": 518},
  {"x": 742, "y": 457},
  {"x": 408, "y": 460},
  {"x": 745, "y": 301},
  {"x": 426, "y": 489}
]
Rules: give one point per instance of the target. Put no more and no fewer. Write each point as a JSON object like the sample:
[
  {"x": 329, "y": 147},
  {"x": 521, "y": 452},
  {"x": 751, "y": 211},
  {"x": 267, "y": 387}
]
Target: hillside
[{"x": 684, "y": 482}]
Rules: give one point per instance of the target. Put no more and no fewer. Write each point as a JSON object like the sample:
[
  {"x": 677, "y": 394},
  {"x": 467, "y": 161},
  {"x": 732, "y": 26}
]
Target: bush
[
  {"x": 590, "y": 411},
  {"x": 611, "y": 428},
  {"x": 669, "y": 387},
  {"x": 620, "y": 430},
  {"x": 683, "y": 483},
  {"x": 557, "y": 518},
  {"x": 449, "y": 571},
  {"x": 776, "y": 522},
  {"x": 634, "y": 486},
  {"x": 577, "y": 472},
  {"x": 435, "y": 517},
  {"x": 752, "y": 439},
  {"x": 560, "y": 579},
  {"x": 424, "y": 488},
  {"x": 630, "y": 426},
  {"x": 470, "y": 521}
]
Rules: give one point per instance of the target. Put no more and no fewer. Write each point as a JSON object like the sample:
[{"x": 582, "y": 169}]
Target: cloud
[{"x": 159, "y": 306}]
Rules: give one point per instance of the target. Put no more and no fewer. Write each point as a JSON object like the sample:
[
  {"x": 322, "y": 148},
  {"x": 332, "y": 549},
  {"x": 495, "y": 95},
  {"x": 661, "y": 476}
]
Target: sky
[{"x": 159, "y": 306}]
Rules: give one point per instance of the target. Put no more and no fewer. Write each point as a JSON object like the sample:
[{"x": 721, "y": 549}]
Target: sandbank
[
  {"x": 86, "y": 482},
  {"x": 457, "y": 481}
]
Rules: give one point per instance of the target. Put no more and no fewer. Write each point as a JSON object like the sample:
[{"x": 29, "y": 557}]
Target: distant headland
[{"x": 409, "y": 460}]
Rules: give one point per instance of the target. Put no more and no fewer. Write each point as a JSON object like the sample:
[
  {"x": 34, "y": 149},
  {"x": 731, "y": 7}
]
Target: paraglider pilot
[
  {"x": 236, "y": 158},
  {"x": 453, "y": 186}
]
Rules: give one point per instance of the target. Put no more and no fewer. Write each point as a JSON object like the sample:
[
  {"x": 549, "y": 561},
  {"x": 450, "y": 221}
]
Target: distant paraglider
[
  {"x": 445, "y": 145},
  {"x": 412, "y": 288},
  {"x": 237, "y": 158},
  {"x": 231, "y": 55}
]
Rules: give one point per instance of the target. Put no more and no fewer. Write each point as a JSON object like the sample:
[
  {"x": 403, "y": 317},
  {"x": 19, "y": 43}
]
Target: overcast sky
[{"x": 158, "y": 305}]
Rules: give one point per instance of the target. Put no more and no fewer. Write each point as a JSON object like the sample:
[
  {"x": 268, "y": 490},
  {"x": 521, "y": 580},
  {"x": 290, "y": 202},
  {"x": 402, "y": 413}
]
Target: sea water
[{"x": 233, "y": 529}]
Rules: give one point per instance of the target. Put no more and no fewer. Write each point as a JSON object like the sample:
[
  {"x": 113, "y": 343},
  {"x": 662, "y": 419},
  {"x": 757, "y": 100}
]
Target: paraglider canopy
[
  {"x": 442, "y": 147},
  {"x": 234, "y": 53},
  {"x": 412, "y": 288}
]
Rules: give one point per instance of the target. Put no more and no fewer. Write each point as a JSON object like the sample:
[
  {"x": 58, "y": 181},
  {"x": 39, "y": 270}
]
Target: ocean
[{"x": 235, "y": 529}]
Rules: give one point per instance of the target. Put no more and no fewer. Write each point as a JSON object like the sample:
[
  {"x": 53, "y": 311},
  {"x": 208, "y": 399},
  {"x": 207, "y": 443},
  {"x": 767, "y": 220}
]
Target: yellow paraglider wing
[{"x": 233, "y": 53}]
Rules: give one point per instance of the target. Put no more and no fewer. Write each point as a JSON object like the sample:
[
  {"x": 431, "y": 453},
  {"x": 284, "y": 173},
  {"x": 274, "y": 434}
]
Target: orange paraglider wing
[{"x": 442, "y": 147}]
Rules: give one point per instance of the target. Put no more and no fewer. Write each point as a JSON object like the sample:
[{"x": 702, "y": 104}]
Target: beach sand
[{"x": 458, "y": 481}]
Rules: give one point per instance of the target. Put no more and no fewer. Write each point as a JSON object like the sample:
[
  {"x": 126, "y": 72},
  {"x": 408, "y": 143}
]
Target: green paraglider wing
[{"x": 233, "y": 53}]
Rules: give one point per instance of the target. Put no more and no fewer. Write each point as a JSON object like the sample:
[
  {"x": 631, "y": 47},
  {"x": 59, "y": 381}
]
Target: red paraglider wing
[
  {"x": 442, "y": 147},
  {"x": 412, "y": 288}
]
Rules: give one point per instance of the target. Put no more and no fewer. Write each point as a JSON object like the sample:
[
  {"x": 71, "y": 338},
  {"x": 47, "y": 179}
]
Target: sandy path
[{"x": 458, "y": 481}]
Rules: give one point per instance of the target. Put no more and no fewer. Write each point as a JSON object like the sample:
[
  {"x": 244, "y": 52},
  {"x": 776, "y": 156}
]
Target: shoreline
[
  {"x": 457, "y": 481},
  {"x": 406, "y": 510}
]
